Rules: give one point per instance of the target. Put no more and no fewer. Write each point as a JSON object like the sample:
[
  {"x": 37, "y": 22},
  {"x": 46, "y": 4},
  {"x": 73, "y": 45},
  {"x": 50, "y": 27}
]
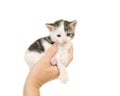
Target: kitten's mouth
[{"x": 63, "y": 43}]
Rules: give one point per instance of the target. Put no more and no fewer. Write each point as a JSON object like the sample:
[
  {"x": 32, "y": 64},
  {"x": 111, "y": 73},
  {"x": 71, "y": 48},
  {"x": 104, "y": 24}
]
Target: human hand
[{"x": 43, "y": 71}]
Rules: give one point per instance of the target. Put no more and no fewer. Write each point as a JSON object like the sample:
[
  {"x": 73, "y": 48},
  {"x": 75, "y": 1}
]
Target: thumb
[{"x": 51, "y": 52}]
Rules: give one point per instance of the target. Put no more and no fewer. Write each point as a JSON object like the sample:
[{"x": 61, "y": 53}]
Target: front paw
[
  {"x": 53, "y": 61},
  {"x": 63, "y": 77}
]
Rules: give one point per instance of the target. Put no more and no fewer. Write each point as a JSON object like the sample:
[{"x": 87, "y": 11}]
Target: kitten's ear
[
  {"x": 73, "y": 24},
  {"x": 50, "y": 26}
]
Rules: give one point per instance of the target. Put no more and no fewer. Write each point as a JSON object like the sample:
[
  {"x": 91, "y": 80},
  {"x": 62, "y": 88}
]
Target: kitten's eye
[
  {"x": 58, "y": 35},
  {"x": 68, "y": 34}
]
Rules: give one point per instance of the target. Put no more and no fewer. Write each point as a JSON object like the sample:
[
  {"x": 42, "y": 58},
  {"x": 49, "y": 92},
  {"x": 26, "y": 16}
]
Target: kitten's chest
[
  {"x": 62, "y": 55},
  {"x": 63, "y": 51}
]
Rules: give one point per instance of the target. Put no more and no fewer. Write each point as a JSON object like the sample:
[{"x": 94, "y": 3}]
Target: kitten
[{"x": 61, "y": 32}]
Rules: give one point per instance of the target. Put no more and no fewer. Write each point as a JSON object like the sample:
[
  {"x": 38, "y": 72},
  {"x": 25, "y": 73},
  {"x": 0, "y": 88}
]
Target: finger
[
  {"x": 51, "y": 52},
  {"x": 70, "y": 58},
  {"x": 71, "y": 54}
]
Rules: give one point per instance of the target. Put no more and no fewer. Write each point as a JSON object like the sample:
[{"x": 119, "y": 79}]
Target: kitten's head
[{"x": 62, "y": 31}]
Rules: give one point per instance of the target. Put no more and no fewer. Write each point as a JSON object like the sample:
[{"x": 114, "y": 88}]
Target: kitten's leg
[
  {"x": 64, "y": 58},
  {"x": 54, "y": 61},
  {"x": 63, "y": 73}
]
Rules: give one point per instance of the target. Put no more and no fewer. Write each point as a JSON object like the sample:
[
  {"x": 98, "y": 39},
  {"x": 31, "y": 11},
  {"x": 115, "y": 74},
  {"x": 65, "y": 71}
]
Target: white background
[{"x": 95, "y": 69}]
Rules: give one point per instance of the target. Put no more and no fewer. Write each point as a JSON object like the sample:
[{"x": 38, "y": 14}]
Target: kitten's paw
[
  {"x": 63, "y": 78},
  {"x": 53, "y": 61}
]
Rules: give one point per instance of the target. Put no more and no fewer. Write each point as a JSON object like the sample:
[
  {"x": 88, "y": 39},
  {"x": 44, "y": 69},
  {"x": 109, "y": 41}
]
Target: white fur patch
[{"x": 32, "y": 58}]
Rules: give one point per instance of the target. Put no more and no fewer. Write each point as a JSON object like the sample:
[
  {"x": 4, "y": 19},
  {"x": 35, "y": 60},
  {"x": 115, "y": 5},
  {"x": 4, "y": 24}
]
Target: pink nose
[{"x": 64, "y": 40}]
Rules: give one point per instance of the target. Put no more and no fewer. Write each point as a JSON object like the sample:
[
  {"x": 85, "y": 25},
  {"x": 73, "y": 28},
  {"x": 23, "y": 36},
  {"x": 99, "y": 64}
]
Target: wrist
[
  {"x": 33, "y": 82},
  {"x": 30, "y": 88}
]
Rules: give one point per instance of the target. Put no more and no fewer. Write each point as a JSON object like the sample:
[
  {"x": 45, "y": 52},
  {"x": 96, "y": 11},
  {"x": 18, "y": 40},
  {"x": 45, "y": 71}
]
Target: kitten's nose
[{"x": 64, "y": 41}]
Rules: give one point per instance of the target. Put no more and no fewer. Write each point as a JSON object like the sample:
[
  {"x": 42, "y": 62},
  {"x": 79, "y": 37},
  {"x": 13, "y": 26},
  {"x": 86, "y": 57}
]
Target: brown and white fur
[{"x": 61, "y": 32}]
